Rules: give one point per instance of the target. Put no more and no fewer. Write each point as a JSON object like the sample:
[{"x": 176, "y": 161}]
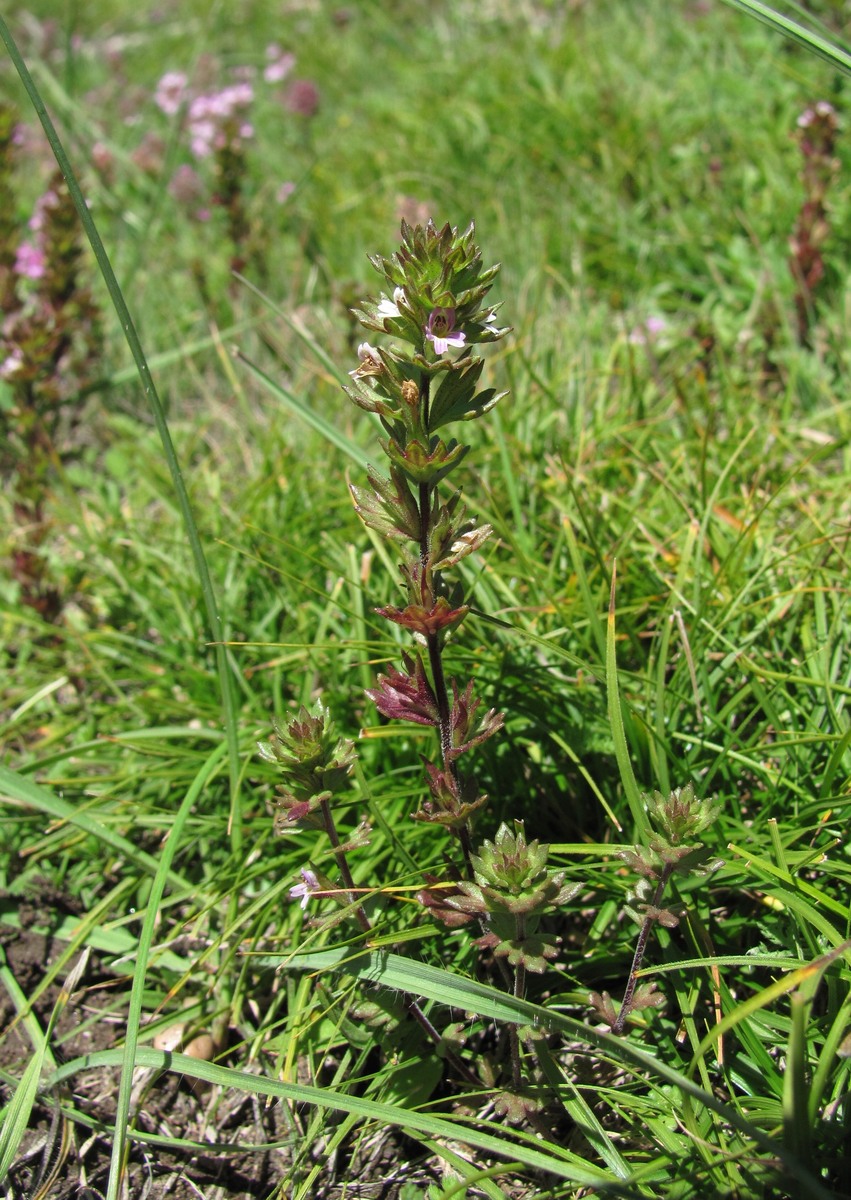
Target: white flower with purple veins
[
  {"x": 440, "y": 330},
  {"x": 390, "y": 308},
  {"x": 370, "y": 362},
  {"x": 304, "y": 890}
]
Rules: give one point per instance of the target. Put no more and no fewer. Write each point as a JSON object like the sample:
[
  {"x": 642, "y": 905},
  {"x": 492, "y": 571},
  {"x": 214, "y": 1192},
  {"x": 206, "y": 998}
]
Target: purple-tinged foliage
[{"x": 406, "y": 695}]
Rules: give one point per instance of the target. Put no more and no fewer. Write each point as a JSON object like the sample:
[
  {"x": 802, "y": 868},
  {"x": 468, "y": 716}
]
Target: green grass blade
[
  {"x": 20, "y": 790},
  {"x": 443, "y": 987},
  {"x": 305, "y": 413},
  {"x": 560, "y": 1162},
  {"x": 630, "y": 786},
  {"x": 828, "y": 50},
  {"x": 796, "y": 1125},
  {"x": 17, "y": 1115},
  {"x": 146, "y": 938}
]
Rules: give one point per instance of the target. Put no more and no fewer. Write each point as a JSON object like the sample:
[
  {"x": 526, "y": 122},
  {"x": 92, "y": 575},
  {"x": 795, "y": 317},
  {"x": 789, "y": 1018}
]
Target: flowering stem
[
  {"x": 641, "y": 947},
  {"x": 435, "y": 656},
  {"x": 519, "y": 994},
  {"x": 412, "y": 1007},
  {"x": 343, "y": 865}
]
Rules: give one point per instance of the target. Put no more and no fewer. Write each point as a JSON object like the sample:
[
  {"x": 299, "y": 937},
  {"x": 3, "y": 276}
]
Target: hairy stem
[
  {"x": 435, "y": 654},
  {"x": 411, "y": 1006},
  {"x": 519, "y": 994},
  {"x": 640, "y": 948},
  {"x": 343, "y": 866}
]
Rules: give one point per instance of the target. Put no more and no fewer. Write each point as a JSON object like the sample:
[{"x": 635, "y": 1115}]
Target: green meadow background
[{"x": 664, "y": 600}]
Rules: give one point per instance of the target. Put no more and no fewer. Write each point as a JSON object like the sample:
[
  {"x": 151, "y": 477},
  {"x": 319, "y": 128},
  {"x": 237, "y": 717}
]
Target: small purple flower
[
  {"x": 440, "y": 330},
  {"x": 284, "y": 192},
  {"x": 29, "y": 261},
  {"x": 306, "y": 888}
]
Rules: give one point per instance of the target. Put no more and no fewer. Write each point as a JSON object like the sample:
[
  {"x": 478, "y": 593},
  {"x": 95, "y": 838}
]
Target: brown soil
[{"x": 65, "y": 1152}]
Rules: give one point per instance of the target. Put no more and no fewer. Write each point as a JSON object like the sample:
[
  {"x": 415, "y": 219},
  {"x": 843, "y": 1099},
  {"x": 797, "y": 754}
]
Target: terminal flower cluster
[{"x": 314, "y": 765}]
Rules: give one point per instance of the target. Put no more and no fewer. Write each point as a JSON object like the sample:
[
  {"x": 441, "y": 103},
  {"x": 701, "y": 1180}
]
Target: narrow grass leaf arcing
[{"x": 622, "y": 754}]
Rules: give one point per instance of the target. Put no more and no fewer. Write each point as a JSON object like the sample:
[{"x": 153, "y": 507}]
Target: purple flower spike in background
[{"x": 440, "y": 330}]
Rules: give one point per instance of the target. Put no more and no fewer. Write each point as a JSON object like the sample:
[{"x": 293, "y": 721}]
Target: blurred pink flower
[
  {"x": 47, "y": 199},
  {"x": 171, "y": 92},
  {"x": 103, "y": 158},
  {"x": 11, "y": 365},
  {"x": 279, "y": 64},
  {"x": 210, "y": 114},
  {"x": 29, "y": 261},
  {"x": 284, "y": 192},
  {"x": 647, "y": 331},
  {"x": 150, "y": 153}
]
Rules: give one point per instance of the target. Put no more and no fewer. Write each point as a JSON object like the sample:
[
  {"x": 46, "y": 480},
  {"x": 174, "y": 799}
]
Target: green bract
[{"x": 314, "y": 765}]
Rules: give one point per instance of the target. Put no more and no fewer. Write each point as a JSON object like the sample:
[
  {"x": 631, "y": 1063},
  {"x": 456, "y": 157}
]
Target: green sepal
[
  {"x": 457, "y": 399},
  {"x": 425, "y": 465},
  {"x": 390, "y": 508},
  {"x": 370, "y": 400}
]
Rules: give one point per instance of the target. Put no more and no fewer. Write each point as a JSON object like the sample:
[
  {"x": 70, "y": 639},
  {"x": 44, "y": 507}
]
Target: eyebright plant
[
  {"x": 314, "y": 766},
  {"x": 818, "y": 127},
  {"x": 671, "y": 850},
  {"x": 435, "y": 309},
  {"x": 433, "y": 314},
  {"x": 50, "y": 342},
  {"x": 218, "y": 129}
]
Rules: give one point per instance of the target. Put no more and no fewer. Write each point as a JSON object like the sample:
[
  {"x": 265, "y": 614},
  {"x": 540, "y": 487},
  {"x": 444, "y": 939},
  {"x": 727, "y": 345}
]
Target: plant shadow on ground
[{"x": 68, "y": 1161}]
